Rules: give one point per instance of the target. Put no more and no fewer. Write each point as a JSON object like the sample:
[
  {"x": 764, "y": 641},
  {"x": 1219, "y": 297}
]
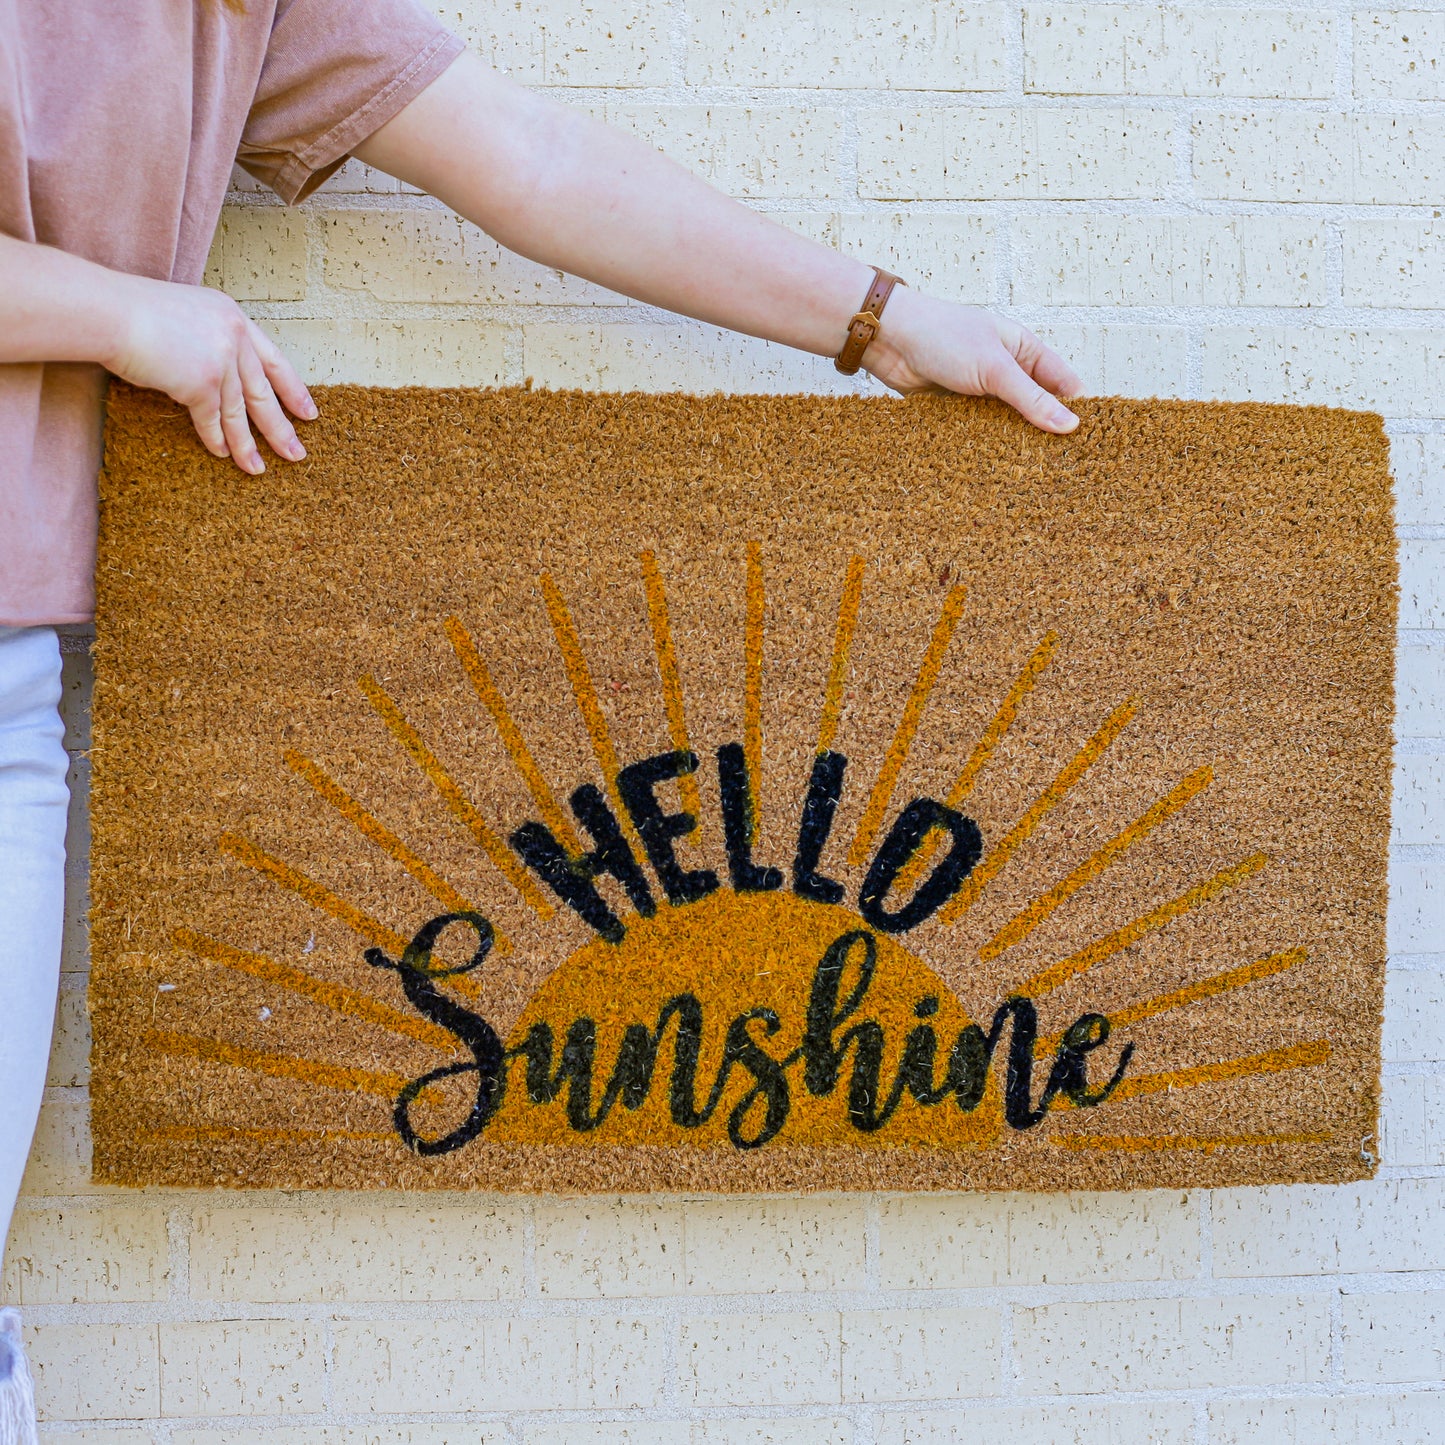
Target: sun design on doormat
[{"x": 756, "y": 1005}]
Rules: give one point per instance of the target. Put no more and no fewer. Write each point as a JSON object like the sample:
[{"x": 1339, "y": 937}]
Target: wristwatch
[{"x": 866, "y": 323}]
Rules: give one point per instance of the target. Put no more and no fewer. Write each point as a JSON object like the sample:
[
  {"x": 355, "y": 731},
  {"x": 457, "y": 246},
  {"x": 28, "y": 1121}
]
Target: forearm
[
  {"x": 551, "y": 183},
  {"x": 55, "y": 306}
]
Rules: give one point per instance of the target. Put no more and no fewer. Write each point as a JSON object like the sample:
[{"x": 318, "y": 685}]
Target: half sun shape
[{"x": 746, "y": 1006}]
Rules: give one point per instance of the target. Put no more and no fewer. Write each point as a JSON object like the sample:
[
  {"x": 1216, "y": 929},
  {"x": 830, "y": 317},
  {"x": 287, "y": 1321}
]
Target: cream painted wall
[{"x": 1220, "y": 201}]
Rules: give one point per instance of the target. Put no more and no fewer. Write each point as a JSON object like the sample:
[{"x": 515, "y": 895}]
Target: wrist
[
  {"x": 891, "y": 345},
  {"x": 112, "y": 312}
]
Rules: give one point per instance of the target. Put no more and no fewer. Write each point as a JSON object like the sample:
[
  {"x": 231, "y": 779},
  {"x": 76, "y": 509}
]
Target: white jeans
[{"x": 33, "y": 799}]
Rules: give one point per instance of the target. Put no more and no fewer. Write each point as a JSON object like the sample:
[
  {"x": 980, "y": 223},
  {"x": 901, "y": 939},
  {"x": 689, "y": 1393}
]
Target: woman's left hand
[{"x": 929, "y": 344}]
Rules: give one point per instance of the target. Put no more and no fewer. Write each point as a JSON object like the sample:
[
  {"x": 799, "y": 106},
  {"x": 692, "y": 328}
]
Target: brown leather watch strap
[{"x": 866, "y": 323}]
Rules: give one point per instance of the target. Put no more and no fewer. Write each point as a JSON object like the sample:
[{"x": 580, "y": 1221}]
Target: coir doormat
[{"x": 558, "y": 791}]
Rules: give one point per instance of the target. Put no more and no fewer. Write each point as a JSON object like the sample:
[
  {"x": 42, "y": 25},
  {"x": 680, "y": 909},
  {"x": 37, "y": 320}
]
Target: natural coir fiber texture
[{"x": 558, "y": 791}]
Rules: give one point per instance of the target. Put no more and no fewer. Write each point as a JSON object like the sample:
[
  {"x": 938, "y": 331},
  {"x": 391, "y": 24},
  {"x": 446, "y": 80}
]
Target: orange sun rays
[{"x": 360, "y": 1005}]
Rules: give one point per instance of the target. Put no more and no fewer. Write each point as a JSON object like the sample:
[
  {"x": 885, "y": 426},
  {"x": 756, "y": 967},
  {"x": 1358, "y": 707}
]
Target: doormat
[{"x": 573, "y": 792}]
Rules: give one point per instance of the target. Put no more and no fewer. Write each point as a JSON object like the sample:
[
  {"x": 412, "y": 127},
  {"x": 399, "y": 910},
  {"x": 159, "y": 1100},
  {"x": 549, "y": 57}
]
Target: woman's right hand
[
  {"x": 191, "y": 342},
  {"x": 196, "y": 345}
]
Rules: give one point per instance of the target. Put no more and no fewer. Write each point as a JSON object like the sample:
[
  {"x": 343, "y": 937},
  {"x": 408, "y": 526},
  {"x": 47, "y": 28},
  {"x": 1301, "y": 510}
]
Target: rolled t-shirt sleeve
[{"x": 335, "y": 72}]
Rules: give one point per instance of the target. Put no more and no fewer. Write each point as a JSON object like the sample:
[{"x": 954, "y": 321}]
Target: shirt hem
[
  {"x": 333, "y": 147},
  {"x": 50, "y": 619}
]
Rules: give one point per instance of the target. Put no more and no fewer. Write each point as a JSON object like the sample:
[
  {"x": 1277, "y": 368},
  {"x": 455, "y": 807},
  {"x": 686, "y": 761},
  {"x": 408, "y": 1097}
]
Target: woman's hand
[
  {"x": 199, "y": 347},
  {"x": 928, "y": 344},
  {"x": 192, "y": 343}
]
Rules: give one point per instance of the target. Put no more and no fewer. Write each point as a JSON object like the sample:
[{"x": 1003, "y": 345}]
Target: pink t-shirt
[{"x": 119, "y": 123}]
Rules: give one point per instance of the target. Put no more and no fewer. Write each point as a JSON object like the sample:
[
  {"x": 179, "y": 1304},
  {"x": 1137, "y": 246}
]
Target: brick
[
  {"x": 1399, "y": 54},
  {"x": 620, "y": 43},
  {"x": 748, "y": 1246},
  {"x": 77, "y": 682},
  {"x": 908, "y": 45},
  {"x": 394, "y": 1433},
  {"x": 592, "y": 1248},
  {"x": 818, "y": 1430},
  {"x": 353, "y": 179},
  {"x": 1124, "y": 360},
  {"x": 1176, "y": 50},
  {"x": 748, "y": 151},
  {"x": 101, "y": 1436},
  {"x": 1141, "y": 1423},
  {"x": 1415, "y": 922},
  {"x": 1005, "y": 153},
  {"x": 922, "y": 1354},
  {"x": 1422, "y": 583},
  {"x": 1074, "y": 260},
  {"x": 259, "y": 254},
  {"x": 1394, "y": 263},
  {"x": 813, "y": 1430},
  {"x": 77, "y": 815},
  {"x": 70, "y": 1048},
  {"x": 1412, "y": 1120},
  {"x": 505, "y": 1364},
  {"x": 638, "y": 1432},
  {"x": 1094, "y": 1346},
  {"x": 1388, "y": 1226},
  {"x": 95, "y": 1372},
  {"x": 436, "y": 257},
  {"x": 1399, "y": 1419},
  {"x": 951, "y": 256},
  {"x": 1419, "y": 692},
  {"x": 752, "y": 1359},
  {"x": 1327, "y": 156},
  {"x": 643, "y": 356},
  {"x": 59, "y": 1160},
  {"x": 87, "y": 1255},
  {"x": 1394, "y": 1338},
  {"x": 1397, "y": 371},
  {"x": 242, "y": 1367},
  {"x": 1414, "y": 1016},
  {"x": 981, "y": 1240},
  {"x": 75, "y": 925},
  {"x": 1418, "y": 464},
  {"x": 1415, "y": 817},
  {"x": 394, "y": 353},
  {"x": 356, "y": 1252}
]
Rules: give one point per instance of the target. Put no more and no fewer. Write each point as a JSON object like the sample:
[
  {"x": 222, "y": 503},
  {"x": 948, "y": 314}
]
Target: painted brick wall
[{"x": 1219, "y": 201}]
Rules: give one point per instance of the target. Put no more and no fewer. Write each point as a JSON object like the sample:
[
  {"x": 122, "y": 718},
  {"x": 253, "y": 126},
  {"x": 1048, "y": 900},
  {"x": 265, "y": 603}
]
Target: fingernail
[
  {"x": 1063, "y": 417},
  {"x": 257, "y": 465},
  {"x": 295, "y": 451},
  {"x": 309, "y": 410}
]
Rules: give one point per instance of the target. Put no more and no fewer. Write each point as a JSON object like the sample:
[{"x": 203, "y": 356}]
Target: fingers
[
  {"x": 1045, "y": 365},
  {"x": 206, "y": 418},
  {"x": 235, "y": 425},
  {"x": 1011, "y": 383},
  {"x": 249, "y": 388},
  {"x": 282, "y": 375},
  {"x": 265, "y": 410}
]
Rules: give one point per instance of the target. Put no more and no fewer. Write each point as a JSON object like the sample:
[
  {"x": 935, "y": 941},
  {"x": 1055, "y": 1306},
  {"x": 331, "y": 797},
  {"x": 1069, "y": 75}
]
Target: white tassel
[{"x": 17, "y": 1392}]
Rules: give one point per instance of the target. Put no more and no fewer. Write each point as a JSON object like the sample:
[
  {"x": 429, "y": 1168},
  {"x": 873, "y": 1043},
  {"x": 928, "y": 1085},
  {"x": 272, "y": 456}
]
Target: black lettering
[
  {"x": 825, "y": 787},
  {"x": 418, "y": 981},
  {"x": 920, "y": 1057},
  {"x": 659, "y": 830},
  {"x": 739, "y": 818},
  {"x": 770, "y": 1081},
  {"x": 571, "y": 879},
  {"x": 633, "y": 1073},
  {"x": 823, "y": 1056},
  {"x": 1070, "y": 1074},
  {"x": 968, "y": 1061},
  {"x": 904, "y": 839}
]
